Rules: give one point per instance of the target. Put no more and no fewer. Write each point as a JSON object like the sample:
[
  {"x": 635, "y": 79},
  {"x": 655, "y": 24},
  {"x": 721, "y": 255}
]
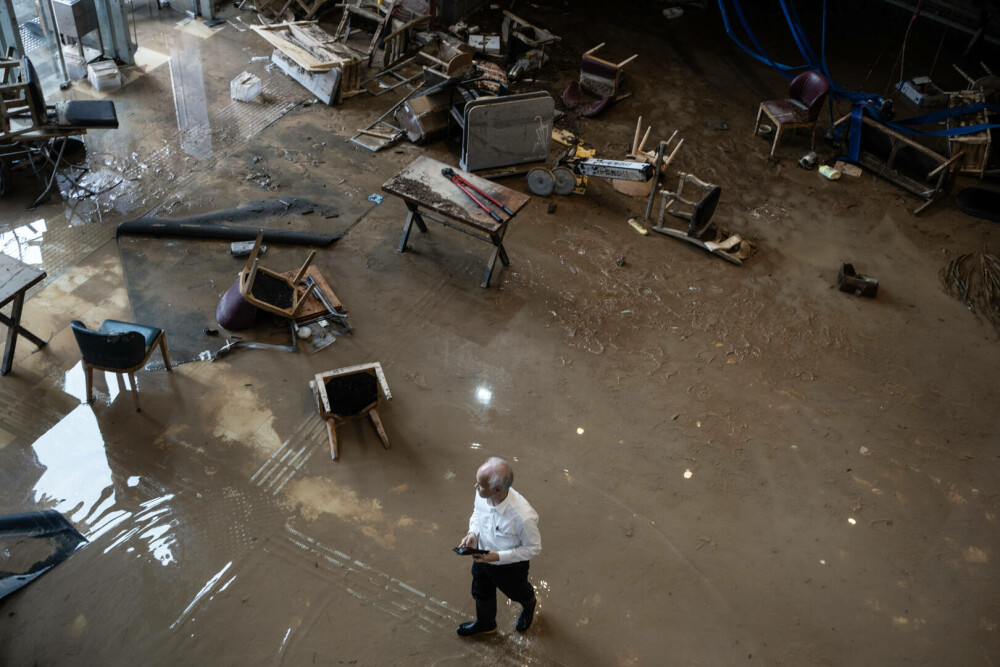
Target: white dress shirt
[{"x": 509, "y": 528}]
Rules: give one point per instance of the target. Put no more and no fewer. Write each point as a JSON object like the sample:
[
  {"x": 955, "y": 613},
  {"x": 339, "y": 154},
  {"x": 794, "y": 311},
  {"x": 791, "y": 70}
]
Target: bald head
[{"x": 498, "y": 473}]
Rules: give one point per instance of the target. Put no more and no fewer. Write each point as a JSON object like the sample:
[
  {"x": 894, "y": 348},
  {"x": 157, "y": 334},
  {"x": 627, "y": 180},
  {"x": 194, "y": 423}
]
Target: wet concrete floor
[{"x": 732, "y": 465}]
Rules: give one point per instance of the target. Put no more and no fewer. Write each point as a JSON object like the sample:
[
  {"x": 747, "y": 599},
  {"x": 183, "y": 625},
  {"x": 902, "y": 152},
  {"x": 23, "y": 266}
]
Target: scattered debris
[
  {"x": 975, "y": 147},
  {"x": 634, "y": 224},
  {"x": 724, "y": 243},
  {"x": 809, "y": 160},
  {"x": 104, "y": 75},
  {"x": 327, "y": 68},
  {"x": 598, "y": 77},
  {"x": 848, "y": 280},
  {"x": 245, "y": 87},
  {"x": 848, "y": 169},
  {"x": 829, "y": 172},
  {"x": 975, "y": 279},
  {"x": 634, "y": 188},
  {"x": 901, "y": 160},
  {"x": 923, "y": 92},
  {"x": 244, "y": 248}
]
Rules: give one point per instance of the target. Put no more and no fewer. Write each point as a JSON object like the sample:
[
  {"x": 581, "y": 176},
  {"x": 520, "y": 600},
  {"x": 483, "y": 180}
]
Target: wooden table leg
[
  {"x": 12, "y": 332},
  {"x": 412, "y": 217}
]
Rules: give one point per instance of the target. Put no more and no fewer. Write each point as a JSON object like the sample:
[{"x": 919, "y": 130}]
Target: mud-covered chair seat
[
  {"x": 91, "y": 114},
  {"x": 806, "y": 94},
  {"x": 26, "y": 100},
  {"x": 119, "y": 347}
]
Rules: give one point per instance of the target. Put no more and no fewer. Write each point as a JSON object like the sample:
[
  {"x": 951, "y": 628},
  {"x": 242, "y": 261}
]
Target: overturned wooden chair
[
  {"x": 371, "y": 12},
  {"x": 700, "y": 231},
  {"x": 600, "y": 79},
  {"x": 272, "y": 291},
  {"x": 350, "y": 393}
]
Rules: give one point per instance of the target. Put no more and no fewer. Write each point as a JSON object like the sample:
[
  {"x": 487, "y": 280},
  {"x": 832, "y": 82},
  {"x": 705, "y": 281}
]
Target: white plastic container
[
  {"x": 829, "y": 172},
  {"x": 244, "y": 87},
  {"x": 104, "y": 75}
]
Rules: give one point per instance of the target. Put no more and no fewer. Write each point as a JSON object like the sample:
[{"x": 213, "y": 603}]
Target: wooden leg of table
[
  {"x": 12, "y": 331},
  {"x": 373, "y": 413}
]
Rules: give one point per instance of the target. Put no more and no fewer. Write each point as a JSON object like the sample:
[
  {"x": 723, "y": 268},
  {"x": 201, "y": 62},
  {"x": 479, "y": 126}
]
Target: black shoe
[
  {"x": 475, "y": 628},
  {"x": 525, "y": 617}
]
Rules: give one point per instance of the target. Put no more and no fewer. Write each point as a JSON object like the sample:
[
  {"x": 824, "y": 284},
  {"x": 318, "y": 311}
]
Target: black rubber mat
[
  {"x": 32, "y": 544},
  {"x": 980, "y": 203}
]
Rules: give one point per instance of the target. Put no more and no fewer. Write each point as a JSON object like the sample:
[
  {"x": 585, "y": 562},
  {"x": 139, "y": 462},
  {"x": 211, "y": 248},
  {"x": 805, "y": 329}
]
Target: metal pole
[{"x": 62, "y": 59}]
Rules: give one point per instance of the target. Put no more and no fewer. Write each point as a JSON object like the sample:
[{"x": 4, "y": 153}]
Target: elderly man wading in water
[{"x": 506, "y": 527}]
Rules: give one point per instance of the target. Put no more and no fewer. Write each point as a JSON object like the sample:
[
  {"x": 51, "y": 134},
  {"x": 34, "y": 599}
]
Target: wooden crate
[{"x": 976, "y": 147}]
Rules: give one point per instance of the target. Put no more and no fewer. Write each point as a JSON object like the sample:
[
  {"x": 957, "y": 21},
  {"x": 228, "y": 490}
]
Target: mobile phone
[{"x": 468, "y": 551}]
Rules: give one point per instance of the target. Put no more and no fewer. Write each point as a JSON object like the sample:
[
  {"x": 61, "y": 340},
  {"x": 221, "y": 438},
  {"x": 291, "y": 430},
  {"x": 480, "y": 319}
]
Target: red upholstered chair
[{"x": 806, "y": 94}]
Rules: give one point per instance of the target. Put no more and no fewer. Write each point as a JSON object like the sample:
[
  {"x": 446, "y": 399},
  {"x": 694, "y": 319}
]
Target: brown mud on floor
[{"x": 731, "y": 464}]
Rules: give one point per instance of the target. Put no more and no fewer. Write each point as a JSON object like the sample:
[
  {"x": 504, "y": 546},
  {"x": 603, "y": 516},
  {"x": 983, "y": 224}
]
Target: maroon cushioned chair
[{"x": 806, "y": 94}]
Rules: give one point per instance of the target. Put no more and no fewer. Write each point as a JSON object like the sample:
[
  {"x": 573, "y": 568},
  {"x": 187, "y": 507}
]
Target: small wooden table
[
  {"x": 16, "y": 278},
  {"x": 422, "y": 185}
]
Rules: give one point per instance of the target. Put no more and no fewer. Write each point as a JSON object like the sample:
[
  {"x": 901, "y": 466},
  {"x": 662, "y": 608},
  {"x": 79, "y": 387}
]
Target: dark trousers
[{"x": 512, "y": 579}]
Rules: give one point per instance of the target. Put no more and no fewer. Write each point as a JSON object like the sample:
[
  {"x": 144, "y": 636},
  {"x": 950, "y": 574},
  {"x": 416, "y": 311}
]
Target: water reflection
[
  {"x": 78, "y": 482},
  {"x": 75, "y": 383},
  {"x": 484, "y": 395},
  {"x": 24, "y": 243},
  {"x": 77, "y": 476}
]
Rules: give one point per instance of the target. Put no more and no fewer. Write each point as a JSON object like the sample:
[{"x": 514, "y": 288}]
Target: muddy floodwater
[{"x": 731, "y": 464}]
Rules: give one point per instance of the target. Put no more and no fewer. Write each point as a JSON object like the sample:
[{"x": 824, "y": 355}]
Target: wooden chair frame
[
  {"x": 253, "y": 268},
  {"x": 370, "y": 411}
]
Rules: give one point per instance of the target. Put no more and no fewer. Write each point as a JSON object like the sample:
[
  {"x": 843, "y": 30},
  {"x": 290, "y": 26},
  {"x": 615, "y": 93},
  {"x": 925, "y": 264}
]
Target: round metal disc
[
  {"x": 565, "y": 180},
  {"x": 541, "y": 182}
]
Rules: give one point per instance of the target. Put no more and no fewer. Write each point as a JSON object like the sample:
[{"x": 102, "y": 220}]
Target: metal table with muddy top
[{"x": 472, "y": 205}]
